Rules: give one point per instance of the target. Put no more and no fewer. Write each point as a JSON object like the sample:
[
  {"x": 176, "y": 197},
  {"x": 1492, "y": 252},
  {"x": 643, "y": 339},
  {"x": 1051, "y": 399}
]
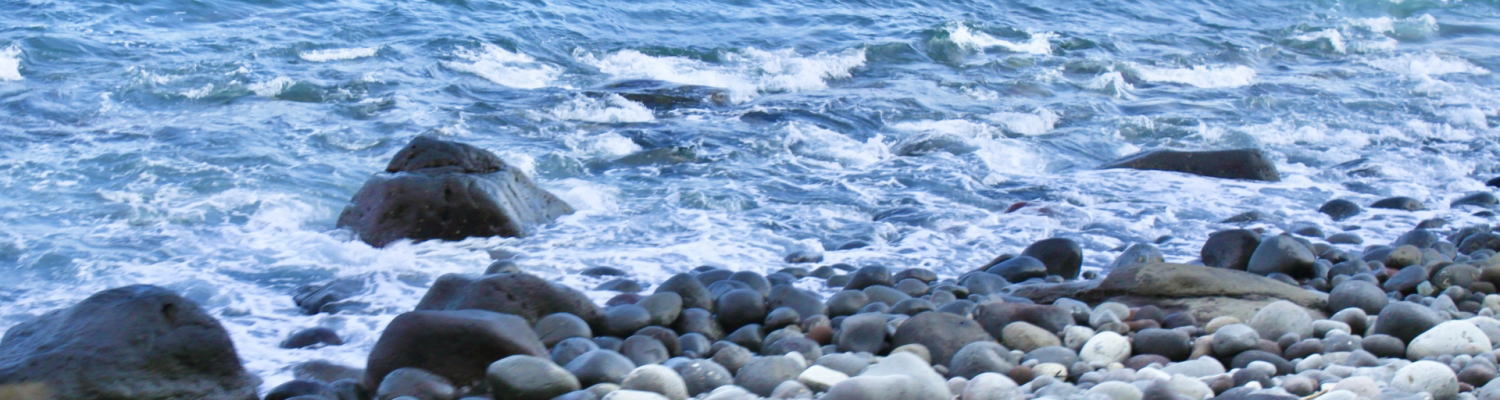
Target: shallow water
[{"x": 209, "y": 146}]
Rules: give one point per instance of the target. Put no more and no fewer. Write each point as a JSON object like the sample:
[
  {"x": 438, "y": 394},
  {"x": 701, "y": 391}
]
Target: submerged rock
[
  {"x": 1250, "y": 164},
  {"x": 437, "y": 189},
  {"x": 133, "y": 342}
]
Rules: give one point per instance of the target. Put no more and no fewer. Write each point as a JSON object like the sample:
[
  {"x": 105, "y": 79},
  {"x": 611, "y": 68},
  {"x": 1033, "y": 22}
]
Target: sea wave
[{"x": 504, "y": 67}]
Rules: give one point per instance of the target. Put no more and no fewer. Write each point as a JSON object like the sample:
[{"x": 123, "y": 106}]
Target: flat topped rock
[
  {"x": 1206, "y": 292},
  {"x": 1249, "y": 164},
  {"x": 435, "y": 189}
]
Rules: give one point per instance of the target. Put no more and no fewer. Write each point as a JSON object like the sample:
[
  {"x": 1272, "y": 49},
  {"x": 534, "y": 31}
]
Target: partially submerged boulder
[
  {"x": 1249, "y": 164},
  {"x": 1206, "y": 292},
  {"x": 437, "y": 189},
  {"x": 133, "y": 342},
  {"x": 456, "y": 345},
  {"x": 519, "y": 294}
]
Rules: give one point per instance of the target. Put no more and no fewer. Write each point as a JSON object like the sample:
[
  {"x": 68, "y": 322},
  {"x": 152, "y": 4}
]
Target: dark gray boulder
[
  {"x": 456, "y": 345},
  {"x": 1250, "y": 164},
  {"x": 1284, "y": 254},
  {"x": 520, "y": 294},
  {"x": 1062, "y": 256},
  {"x": 437, "y": 189},
  {"x": 1229, "y": 249},
  {"x": 133, "y": 342},
  {"x": 943, "y": 334}
]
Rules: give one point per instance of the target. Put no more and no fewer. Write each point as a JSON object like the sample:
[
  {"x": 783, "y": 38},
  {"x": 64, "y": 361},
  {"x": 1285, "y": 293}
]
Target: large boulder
[
  {"x": 1250, "y": 164},
  {"x": 456, "y": 345},
  {"x": 520, "y": 294},
  {"x": 1205, "y": 292},
  {"x": 436, "y": 189},
  {"x": 133, "y": 342},
  {"x": 943, "y": 334}
]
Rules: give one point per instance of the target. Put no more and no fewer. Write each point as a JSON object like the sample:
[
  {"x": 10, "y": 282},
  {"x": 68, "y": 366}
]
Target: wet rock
[
  {"x": 1405, "y": 320},
  {"x": 436, "y": 189},
  {"x": 994, "y": 316},
  {"x": 700, "y": 376},
  {"x": 570, "y": 348},
  {"x": 1345, "y": 238},
  {"x": 1281, "y": 318},
  {"x": 1406, "y": 280},
  {"x": 847, "y": 302},
  {"x": 1062, "y": 256},
  {"x": 642, "y": 350},
  {"x": 1019, "y": 268},
  {"x": 1244, "y": 359},
  {"x": 456, "y": 345},
  {"x": 555, "y": 327},
  {"x": 325, "y": 371},
  {"x": 1206, "y": 292},
  {"x": 862, "y": 332},
  {"x": 979, "y": 357},
  {"x": 1248, "y": 164},
  {"x": 1340, "y": 209},
  {"x": 622, "y": 320},
  {"x": 1478, "y": 199},
  {"x": 600, "y": 366},
  {"x": 1384, "y": 346},
  {"x": 519, "y": 294},
  {"x": 763, "y": 374},
  {"x": 330, "y": 297},
  {"x": 1398, "y": 203},
  {"x": 1229, "y": 249},
  {"x": 1170, "y": 343},
  {"x": 1024, "y": 336},
  {"x": 1480, "y": 241},
  {"x": 698, "y": 320},
  {"x": 137, "y": 341},
  {"x": 1449, "y": 338},
  {"x": 1427, "y": 377},
  {"x": 291, "y": 389},
  {"x": 983, "y": 283},
  {"x": 1357, "y": 294},
  {"x": 621, "y": 285},
  {"x": 898, "y": 376},
  {"x": 1283, "y": 254},
  {"x": 414, "y": 383},
  {"x": 693, "y": 293},
  {"x": 656, "y": 379},
  {"x": 943, "y": 334},
  {"x": 732, "y": 356},
  {"x": 739, "y": 307},
  {"x": 311, "y": 337},
  {"x": 869, "y": 276},
  {"x": 805, "y": 303},
  {"x": 523, "y": 377},
  {"x": 1137, "y": 254}
]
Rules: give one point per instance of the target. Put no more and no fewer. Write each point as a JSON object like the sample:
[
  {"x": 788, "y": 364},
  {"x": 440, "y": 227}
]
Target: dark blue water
[{"x": 209, "y": 146}]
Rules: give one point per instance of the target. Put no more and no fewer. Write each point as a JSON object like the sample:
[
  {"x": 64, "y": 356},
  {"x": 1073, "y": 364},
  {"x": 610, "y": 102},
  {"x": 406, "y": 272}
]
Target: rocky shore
[{"x": 1258, "y": 315}]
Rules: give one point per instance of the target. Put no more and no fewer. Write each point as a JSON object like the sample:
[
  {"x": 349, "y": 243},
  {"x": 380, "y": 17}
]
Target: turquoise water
[{"x": 209, "y": 146}]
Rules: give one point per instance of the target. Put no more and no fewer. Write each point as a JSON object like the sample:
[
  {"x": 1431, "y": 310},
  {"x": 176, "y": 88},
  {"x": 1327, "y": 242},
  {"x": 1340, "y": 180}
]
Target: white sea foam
[
  {"x": 1211, "y": 77},
  {"x": 1037, "y": 43},
  {"x": 744, "y": 74},
  {"x": 609, "y": 145},
  {"x": 1112, "y": 82},
  {"x": 504, "y": 67},
  {"x": 815, "y": 142},
  {"x": 608, "y": 109},
  {"x": 1427, "y": 64},
  {"x": 10, "y": 63},
  {"x": 326, "y": 55},
  {"x": 1000, "y": 155},
  {"x": 1330, "y": 39},
  {"x": 1030, "y": 124},
  {"x": 273, "y": 87}
]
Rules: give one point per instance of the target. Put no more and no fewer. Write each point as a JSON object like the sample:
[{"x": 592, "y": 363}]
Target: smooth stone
[
  {"x": 291, "y": 389},
  {"x": 740, "y": 307},
  {"x": 1114, "y": 390},
  {"x": 692, "y": 291},
  {"x": 700, "y": 321},
  {"x": 1051, "y": 354},
  {"x": 656, "y": 379},
  {"x": 1062, "y": 256},
  {"x": 804, "y": 302},
  {"x": 700, "y": 376},
  {"x": 980, "y": 357},
  {"x": 983, "y": 283},
  {"x": 1478, "y": 199},
  {"x": 600, "y": 366},
  {"x": 869, "y": 276},
  {"x": 994, "y": 316},
  {"x": 846, "y": 302},
  {"x": 1284, "y": 254},
  {"x": 1197, "y": 368},
  {"x": 943, "y": 334},
  {"x": 626, "y": 394},
  {"x": 1357, "y": 294},
  {"x": 1449, "y": 338},
  {"x": 863, "y": 332},
  {"x": 1023, "y": 336},
  {"x": 1230, "y": 249},
  {"x": 762, "y": 374},
  {"x": 820, "y": 378},
  {"x": 1245, "y": 358},
  {"x": 1247, "y": 163},
  {"x": 990, "y": 386},
  {"x": 1340, "y": 209},
  {"x": 1398, "y": 203},
  {"x": 555, "y": 327},
  {"x": 664, "y": 307},
  {"x": 520, "y": 294},
  {"x": 900, "y": 376},
  {"x": 1345, "y": 238},
  {"x": 1137, "y": 254},
  {"x": 457, "y": 345},
  {"x": 311, "y": 337},
  {"x": 523, "y": 377},
  {"x": 1280, "y": 318},
  {"x": 1405, "y": 320},
  {"x": 1019, "y": 269},
  {"x": 1104, "y": 348},
  {"x": 623, "y": 320},
  {"x": 1428, "y": 377},
  {"x": 848, "y": 363},
  {"x": 642, "y": 350},
  {"x": 1233, "y": 339},
  {"x": 1170, "y": 343}
]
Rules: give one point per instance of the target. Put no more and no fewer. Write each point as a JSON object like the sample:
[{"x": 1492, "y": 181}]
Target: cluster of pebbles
[{"x": 1411, "y": 319}]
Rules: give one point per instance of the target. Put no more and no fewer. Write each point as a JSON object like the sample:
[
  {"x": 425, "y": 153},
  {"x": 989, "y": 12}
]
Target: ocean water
[{"x": 208, "y": 147}]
